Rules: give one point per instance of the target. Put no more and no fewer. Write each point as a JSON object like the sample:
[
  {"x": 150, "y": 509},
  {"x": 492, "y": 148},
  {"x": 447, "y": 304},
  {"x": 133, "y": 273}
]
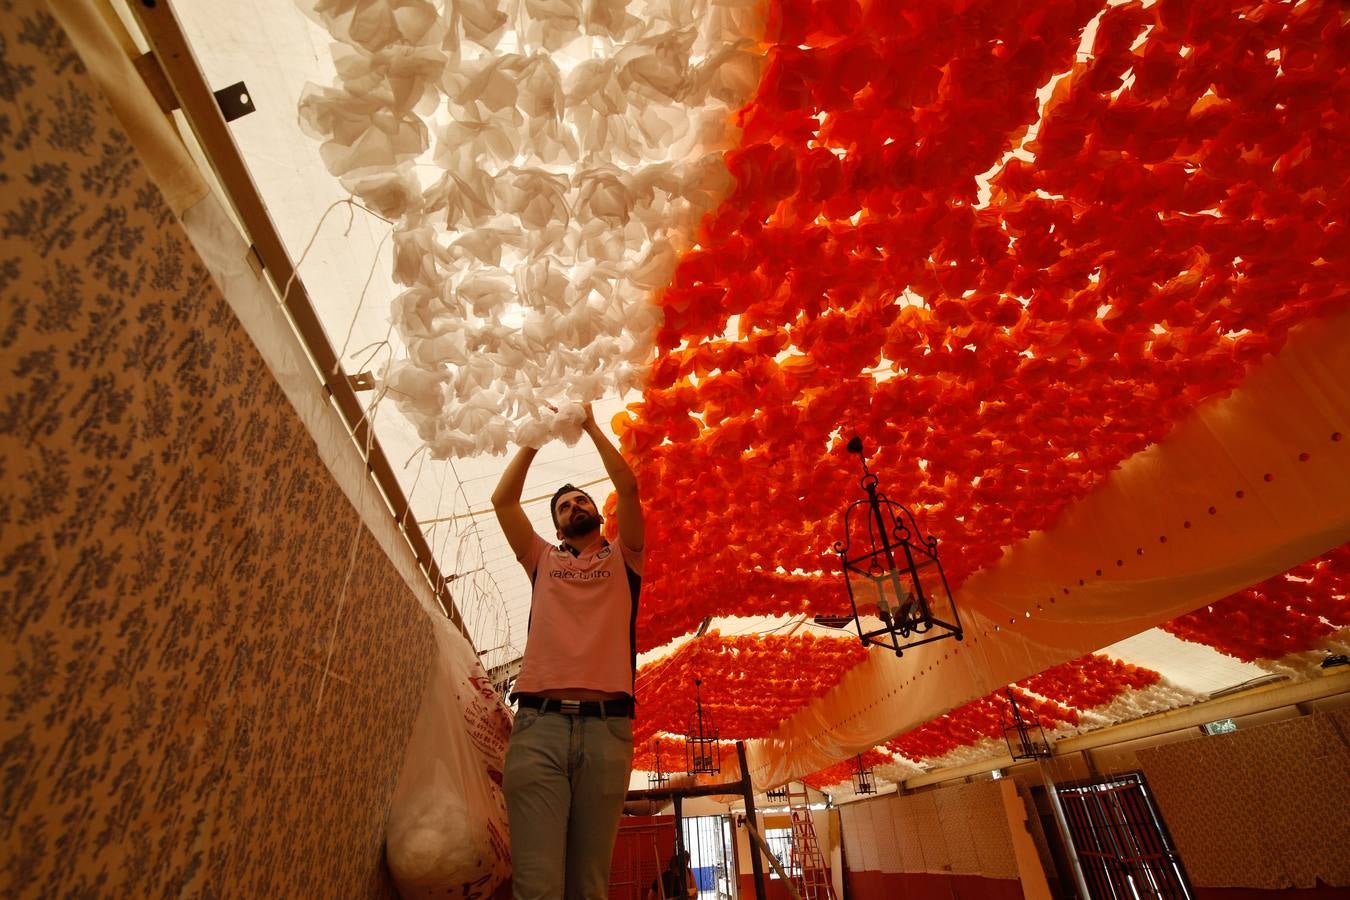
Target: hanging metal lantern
[
  {"x": 894, "y": 572},
  {"x": 1025, "y": 736},
  {"x": 703, "y": 752},
  {"x": 863, "y": 780},
  {"x": 658, "y": 779}
]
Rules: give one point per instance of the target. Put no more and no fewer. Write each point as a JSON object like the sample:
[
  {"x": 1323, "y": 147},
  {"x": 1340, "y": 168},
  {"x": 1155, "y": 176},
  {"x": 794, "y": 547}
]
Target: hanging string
[
  {"x": 470, "y": 514},
  {"x": 420, "y": 451},
  {"x": 504, "y": 634},
  {"x": 351, "y": 205},
  {"x": 295, "y": 269},
  {"x": 430, "y": 536},
  {"x": 360, "y": 301},
  {"x": 367, "y": 416},
  {"x": 445, "y": 540},
  {"x": 376, "y": 347}
]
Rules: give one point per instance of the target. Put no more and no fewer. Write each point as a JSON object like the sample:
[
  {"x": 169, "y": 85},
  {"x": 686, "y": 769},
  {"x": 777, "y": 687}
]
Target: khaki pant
[{"x": 566, "y": 778}]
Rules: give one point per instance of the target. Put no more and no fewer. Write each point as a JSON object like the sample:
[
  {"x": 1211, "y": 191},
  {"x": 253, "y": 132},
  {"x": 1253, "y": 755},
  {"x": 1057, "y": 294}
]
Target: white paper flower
[{"x": 545, "y": 163}]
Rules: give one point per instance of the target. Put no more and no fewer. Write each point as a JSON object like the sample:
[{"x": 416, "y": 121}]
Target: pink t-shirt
[{"x": 583, "y": 618}]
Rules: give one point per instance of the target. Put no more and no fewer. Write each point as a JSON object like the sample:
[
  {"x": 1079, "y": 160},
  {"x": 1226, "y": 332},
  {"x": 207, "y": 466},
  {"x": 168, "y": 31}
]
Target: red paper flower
[
  {"x": 749, "y": 683},
  {"x": 1002, "y": 329},
  {"x": 1279, "y": 616},
  {"x": 846, "y": 769},
  {"x": 1005, "y": 301}
]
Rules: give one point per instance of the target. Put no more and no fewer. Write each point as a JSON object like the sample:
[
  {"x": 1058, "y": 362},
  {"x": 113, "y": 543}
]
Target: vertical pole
[
  {"x": 756, "y": 864},
  {"x": 679, "y": 845},
  {"x": 679, "y": 827},
  {"x": 1071, "y": 851},
  {"x": 846, "y": 891}
]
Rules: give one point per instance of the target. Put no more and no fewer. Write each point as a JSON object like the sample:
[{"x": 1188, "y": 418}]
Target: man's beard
[{"x": 580, "y": 525}]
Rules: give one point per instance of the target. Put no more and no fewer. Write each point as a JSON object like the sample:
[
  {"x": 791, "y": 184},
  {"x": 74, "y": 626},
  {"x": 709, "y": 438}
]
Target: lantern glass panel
[
  {"x": 703, "y": 756},
  {"x": 927, "y": 578},
  {"x": 1026, "y": 740},
  {"x": 873, "y": 589}
]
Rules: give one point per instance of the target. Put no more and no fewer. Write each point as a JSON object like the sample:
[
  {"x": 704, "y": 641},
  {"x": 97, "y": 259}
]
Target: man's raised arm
[
  {"x": 506, "y": 502},
  {"x": 631, "y": 529}
]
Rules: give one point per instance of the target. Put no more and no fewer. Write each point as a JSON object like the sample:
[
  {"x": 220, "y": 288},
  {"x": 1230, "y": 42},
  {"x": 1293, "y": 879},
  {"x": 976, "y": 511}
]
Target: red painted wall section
[
  {"x": 1321, "y": 892},
  {"x": 641, "y": 850},
  {"x": 774, "y": 889},
  {"x": 924, "y": 886}
]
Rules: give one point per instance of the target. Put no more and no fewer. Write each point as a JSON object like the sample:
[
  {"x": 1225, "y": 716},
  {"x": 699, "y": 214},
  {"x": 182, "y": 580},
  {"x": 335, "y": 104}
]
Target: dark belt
[{"x": 621, "y": 708}]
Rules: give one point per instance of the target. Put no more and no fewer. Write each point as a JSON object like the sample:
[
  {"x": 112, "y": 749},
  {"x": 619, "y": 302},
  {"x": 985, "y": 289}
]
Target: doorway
[{"x": 712, "y": 856}]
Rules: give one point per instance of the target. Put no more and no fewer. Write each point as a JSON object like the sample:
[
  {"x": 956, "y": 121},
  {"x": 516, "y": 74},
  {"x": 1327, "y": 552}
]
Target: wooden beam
[
  {"x": 762, "y": 845},
  {"x": 756, "y": 867},
  {"x": 693, "y": 790}
]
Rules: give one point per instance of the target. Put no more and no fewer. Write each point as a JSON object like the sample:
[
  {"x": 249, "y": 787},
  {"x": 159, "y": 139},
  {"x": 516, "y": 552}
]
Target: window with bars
[
  {"x": 1122, "y": 844},
  {"x": 780, "y": 844}
]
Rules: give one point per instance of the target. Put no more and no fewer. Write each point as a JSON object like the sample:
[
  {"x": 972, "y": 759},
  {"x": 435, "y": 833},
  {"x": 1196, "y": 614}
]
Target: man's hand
[{"x": 629, "y": 510}]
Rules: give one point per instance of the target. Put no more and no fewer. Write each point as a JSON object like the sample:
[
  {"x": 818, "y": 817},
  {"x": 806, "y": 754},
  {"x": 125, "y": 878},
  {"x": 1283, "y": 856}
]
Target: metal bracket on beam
[
  {"x": 147, "y": 65},
  {"x": 234, "y": 101},
  {"x": 362, "y": 381},
  {"x": 254, "y": 260}
]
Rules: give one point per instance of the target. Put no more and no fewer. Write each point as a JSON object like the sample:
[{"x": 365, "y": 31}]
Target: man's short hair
[{"x": 565, "y": 489}]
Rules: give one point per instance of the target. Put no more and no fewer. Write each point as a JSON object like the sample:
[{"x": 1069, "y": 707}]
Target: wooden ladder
[{"x": 807, "y": 870}]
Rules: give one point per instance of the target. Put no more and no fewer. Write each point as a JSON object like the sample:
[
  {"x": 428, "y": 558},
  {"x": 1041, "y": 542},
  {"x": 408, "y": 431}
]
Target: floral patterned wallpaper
[
  {"x": 1259, "y": 808},
  {"x": 173, "y": 553}
]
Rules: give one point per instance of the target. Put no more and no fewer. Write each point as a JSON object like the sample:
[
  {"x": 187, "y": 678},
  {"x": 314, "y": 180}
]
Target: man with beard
[{"x": 571, "y": 749}]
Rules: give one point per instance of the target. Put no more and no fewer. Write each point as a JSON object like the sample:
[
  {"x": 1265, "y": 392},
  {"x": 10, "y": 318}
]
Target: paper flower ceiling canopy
[
  {"x": 750, "y": 683},
  {"x": 1009, "y": 243},
  {"x": 1006, "y": 300},
  {"x": 991, "y": 215}
]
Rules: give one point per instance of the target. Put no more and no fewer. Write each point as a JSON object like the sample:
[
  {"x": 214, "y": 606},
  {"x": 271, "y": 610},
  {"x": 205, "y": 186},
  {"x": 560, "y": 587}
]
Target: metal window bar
[
  {"x": 1121, "y": 841},
  {"x": 742, "y": 786},
  {"x": 780, "y": 842},
  {"x": 638, "y": 861}
]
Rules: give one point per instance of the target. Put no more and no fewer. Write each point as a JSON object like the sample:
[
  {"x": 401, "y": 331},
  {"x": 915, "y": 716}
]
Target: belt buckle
[{"x": 569, "y": 707}]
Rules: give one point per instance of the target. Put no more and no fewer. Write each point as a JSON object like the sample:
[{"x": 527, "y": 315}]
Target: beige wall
[
  {"x": 959, "y": 829},
  {"x": 209, "y": 669}
]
